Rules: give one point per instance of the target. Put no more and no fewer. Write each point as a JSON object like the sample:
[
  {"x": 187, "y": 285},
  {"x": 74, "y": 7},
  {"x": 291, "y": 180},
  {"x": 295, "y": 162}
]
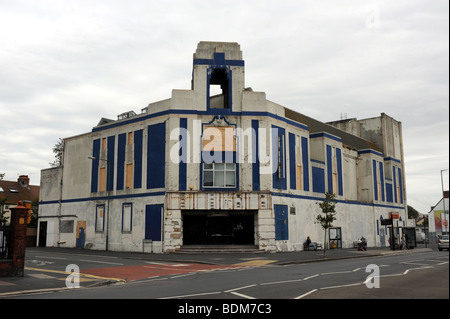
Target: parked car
[
  {"x": 420, "y": 235},
  {"x": 443, "y": 242}
]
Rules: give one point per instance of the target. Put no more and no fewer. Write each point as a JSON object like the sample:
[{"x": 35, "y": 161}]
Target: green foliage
[
  {"x": 328, "y": 215},
  {"x": 3, "y": 218}
]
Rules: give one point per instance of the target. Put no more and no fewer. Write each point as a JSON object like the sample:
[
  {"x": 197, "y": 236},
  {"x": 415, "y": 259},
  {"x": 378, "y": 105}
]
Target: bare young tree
[{"x": 327, "y": 217}]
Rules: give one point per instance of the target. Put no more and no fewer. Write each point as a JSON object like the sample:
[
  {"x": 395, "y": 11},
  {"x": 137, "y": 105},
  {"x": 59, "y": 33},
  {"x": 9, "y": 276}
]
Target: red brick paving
[{"x": 130, "y": 273}]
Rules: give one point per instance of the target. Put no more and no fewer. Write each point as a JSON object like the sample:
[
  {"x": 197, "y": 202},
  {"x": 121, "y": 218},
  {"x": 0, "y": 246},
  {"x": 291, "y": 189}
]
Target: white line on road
[
  {"x": 48, "y": 257},
  {"x": 313, "y": 276},
  {"x": 242, "y": 295},
  {"x": 341, "y": 286},
  {"x": 304, "y": 295},
  {"x": 280, "y": 282},
  {"x": 193, "y": 295},
  {"x": 239, "y": 288},
  {"x": 101, "y": 262}
]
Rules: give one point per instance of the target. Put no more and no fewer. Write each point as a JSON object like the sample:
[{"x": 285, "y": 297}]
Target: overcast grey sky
[{"x": 66, "y": 64}]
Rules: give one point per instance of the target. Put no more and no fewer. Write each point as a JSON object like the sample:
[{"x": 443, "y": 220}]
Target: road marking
[
  {"x": 193, "y": 295},
  {"x": 280, "y": 282},
  {"x": 81, "y": 274},
  {"x": 101, "y": 262},
  {"x": 256, "y": 262},
  {"x": 336, "y": 273},
  {"x": 48, "y": 257},
  {"x": 42, "y": 276},
  {"x": 304, "y": 295},
  {"x": 184, "y": 275},
  {"x": 313, "y": 276},
  {"x": 166, "y": 264},
  {"x": 408, "y": 270},
  {"x": 341, "y": 286},
  {"x": 34, "y": 291},
  {"x": 239, "y": 288},
  {"x": 242, "y": 295}
]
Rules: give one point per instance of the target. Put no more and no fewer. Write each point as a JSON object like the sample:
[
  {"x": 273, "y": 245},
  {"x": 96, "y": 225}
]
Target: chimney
[{"x": 23, "y": 180}]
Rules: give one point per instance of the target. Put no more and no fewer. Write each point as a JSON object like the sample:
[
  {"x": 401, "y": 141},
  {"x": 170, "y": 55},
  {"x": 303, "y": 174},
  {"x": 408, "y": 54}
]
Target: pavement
[{"x": 38, "y": 279}]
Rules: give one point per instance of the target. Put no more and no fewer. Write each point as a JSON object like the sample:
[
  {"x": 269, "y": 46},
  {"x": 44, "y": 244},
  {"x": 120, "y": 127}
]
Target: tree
[
  {"x": 412, "y": 213},
  {"x": 326, "y": 218},
  {"x": 3, "y": 218},
  {"x": 58, "y": 149}
]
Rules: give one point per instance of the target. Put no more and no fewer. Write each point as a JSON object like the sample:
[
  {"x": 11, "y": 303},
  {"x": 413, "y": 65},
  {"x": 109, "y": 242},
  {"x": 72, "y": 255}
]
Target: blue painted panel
[
  {"x": 395, "y": 185},
  {"x": 281, "y": 222},
  {"x": 255, "y": 155},
  {"x": 153, "y": 218},
  {"x": 389, "y": 197},
  {"x": 182, "y": 155},
  {"x": 400, "y": 184},
  {"x": 292, "y": 162},
  {"x": 383, "y": 197},
  {"x": 318, "y": 180},
  {"x": 279, "y": 175},
  {"x": 329, "y": 169},
  {"x": 305, "y": 161},
  {"x": 156, "y": 155},
  {"x": 375, "y": 182},
  {"x": 339, "y": 169},
  {"x": 95, "y": 162},
  {"x": 122, "y": 140},
  {"x": 137, "y": 180},
  {"x": 110, "y": 167}
]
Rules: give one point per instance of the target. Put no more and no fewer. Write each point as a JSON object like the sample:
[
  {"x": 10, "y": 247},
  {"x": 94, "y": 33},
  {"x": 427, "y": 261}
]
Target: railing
[{"x": 5, "y": 235}]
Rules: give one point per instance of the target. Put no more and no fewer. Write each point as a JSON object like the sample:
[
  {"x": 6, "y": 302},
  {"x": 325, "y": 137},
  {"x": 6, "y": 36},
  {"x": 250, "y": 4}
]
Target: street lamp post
[
  {"x": 107, "y": 198},
  {"x": 443, "y": 201}
]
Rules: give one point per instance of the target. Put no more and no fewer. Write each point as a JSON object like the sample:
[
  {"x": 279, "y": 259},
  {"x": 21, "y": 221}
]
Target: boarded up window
[
  {"x": 127, "y": 209},
  {"x": 99, "y": 217},
  {"x": 299, "y": 167},
  {"x": 66, "y": 226},
  {"x": 102, "y": 179},
  {"x": 219, "y": 138}
]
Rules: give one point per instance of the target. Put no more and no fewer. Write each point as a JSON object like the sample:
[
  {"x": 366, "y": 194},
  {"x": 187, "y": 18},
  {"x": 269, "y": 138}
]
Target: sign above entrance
[{"x": 222, "y": 201}]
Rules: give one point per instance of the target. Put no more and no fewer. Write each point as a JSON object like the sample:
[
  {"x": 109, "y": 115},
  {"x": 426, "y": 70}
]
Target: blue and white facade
[{"x": 221, "y": 164}]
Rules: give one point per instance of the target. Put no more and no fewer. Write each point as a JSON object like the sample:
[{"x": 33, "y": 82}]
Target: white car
[{"x": 443, "y": 242}]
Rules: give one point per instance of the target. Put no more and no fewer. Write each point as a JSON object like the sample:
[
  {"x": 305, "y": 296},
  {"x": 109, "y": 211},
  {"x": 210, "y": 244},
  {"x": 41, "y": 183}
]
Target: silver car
[{"x": 443, "y": 242}]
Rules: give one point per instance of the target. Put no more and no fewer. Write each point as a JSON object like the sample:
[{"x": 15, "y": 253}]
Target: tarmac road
[{"x": 297, "y": 275}]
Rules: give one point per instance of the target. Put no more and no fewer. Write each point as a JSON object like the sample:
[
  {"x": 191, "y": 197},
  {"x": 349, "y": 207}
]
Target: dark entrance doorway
[
  {"x": 218, "y": 228},
  {"x": 42, "y": 234}
]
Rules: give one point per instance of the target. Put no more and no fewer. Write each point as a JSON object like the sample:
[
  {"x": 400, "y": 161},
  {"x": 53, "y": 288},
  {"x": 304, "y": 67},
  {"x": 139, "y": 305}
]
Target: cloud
[{"x": 64, "y": 65}]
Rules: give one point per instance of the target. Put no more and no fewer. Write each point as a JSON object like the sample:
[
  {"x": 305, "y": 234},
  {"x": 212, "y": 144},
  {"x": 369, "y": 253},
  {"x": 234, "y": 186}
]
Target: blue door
[
  {"x": 153, "y": 218},
  {"x": 281, "y": 222}
]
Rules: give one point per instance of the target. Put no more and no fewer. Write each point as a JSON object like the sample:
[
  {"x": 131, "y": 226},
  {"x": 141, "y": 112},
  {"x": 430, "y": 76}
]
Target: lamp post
[
  {"x": 108, "y": 181},
  {"x": 443, "y": 202}
]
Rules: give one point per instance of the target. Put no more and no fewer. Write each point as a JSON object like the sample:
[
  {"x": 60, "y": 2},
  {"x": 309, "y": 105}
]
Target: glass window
[{"x": 219, "y": 175}]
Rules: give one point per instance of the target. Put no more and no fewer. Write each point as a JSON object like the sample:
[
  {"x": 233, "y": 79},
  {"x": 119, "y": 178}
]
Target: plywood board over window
[
  {"x": 219, "y": 138},
  {"x": 129, "y": 169}
]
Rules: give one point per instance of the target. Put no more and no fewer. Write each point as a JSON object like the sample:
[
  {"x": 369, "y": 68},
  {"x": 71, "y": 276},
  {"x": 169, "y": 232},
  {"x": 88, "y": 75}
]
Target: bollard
[{"x": 18, "y": 239}]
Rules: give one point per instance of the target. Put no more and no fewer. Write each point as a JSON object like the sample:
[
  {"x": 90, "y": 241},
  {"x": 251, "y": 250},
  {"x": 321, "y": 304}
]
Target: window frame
[{"x": 225, "y": 170}]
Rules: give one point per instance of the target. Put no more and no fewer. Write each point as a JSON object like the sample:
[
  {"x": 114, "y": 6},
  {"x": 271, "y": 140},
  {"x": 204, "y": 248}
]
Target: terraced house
[{"x": 219, "y": 164}]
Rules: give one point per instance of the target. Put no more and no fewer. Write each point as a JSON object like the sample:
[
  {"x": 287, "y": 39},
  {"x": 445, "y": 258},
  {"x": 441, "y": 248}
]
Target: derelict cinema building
[{"x": 223, "y": 168}]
